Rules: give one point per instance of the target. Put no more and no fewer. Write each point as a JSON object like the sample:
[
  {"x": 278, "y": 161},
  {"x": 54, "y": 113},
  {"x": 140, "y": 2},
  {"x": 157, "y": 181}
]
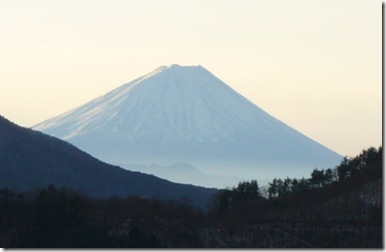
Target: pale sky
[{"x": 315, "y": 65}]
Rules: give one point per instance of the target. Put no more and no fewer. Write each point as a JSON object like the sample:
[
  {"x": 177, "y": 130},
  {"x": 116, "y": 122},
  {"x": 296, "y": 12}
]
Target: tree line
[
  {"x": 334, "y": 207},
  {"x": 356, "y": 170}
]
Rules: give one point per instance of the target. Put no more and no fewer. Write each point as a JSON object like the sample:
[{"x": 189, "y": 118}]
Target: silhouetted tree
[
  {"x": 247, "y": 191},
  {"x": 344, "y": 169},
  {"x": 317, "y": 178},
  {"x": 273, "y": 189}
]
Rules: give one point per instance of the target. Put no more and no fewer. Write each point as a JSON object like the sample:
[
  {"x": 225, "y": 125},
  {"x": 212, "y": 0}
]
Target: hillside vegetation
[
  {"x": 30, "y": 160},
  {"x": 333, "y": 208}
]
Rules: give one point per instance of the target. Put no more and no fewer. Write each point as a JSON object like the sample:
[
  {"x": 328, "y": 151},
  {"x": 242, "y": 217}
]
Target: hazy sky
[{"x": 315, "y": 65}]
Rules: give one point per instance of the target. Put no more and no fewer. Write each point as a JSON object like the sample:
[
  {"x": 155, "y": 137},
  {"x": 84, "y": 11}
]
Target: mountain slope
[
  {"x": 30, "y": 159},
  {"x": 187, "y": 115}
]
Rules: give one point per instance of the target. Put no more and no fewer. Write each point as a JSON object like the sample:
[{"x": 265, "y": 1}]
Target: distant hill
[{"x": 30, "y": 159}]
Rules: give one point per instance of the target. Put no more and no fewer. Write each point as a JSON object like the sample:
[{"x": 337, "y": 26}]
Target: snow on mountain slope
[
  {"x": 187, "y": 115},
  {"x": 189, "y": 104}
]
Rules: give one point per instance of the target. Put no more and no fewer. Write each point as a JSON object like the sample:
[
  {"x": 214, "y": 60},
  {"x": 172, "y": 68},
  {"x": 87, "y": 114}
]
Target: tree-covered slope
[{"x": 30, "y": 159}]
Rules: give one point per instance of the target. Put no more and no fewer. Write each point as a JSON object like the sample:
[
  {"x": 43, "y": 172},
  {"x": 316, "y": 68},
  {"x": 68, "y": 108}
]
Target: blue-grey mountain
[{"x": 186, "y": 115}]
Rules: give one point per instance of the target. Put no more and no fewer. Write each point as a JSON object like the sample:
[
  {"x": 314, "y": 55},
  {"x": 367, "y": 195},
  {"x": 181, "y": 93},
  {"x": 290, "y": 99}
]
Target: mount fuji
[{"x": 185, "y": 115}]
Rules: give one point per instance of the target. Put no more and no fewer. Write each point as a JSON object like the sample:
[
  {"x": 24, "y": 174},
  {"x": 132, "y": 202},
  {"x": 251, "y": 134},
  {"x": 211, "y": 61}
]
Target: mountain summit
[{"x": 187, "y": 115}]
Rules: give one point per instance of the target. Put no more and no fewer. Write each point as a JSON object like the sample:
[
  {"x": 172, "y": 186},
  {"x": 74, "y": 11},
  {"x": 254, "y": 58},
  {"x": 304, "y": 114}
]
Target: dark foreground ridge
[
  {"x": 30, "y": 159},
  {"x": 334, "y": 208}
]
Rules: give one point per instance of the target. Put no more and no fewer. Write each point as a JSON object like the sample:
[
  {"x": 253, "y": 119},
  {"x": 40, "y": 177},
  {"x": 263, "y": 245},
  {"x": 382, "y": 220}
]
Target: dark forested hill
[
  {"x": 339, "y": 214},
  {"x": 30, "y": 159},
  {"x": 338, "y": 207}
]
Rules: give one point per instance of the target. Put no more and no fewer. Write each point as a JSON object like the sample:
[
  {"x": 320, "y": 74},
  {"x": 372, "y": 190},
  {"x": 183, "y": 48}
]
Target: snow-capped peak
[{"x": 186, "y": 114}]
